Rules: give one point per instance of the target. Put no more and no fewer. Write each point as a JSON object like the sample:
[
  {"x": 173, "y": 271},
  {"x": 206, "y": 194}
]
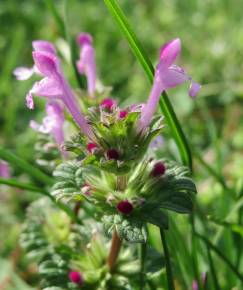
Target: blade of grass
[
  {"x": 58, "y": 19},
  {"x": 212, "y": 270},
  {"x": 25, "y": 166},
  {"x": 221, "y": 255},
  {"x": 15, "y": 183},
  {"x": 169, "y": 273},
  {"x": 146, "y": 64}
]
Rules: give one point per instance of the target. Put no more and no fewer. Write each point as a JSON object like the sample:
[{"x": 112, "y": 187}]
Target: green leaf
[
  {"x": 158, "y": 218},
  {"x": 131, "y": 230},
  {"x": 69, "y": 181},
  {"x": 145, "y": 62},
  {"x": 25, "y": 166}
]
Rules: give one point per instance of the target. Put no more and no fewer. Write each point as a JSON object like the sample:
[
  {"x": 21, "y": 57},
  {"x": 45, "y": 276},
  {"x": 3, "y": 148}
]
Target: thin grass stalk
[{"x": 169, "y": 273}]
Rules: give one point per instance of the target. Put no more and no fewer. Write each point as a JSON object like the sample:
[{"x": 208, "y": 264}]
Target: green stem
[
  {"x": 169, "y": 273},
  {"x": 212, "y": 270},
  {"x": 142, "y": 256},
  {"x": 221, "y": 255},
  {"x": 25, "y": 166},
  {"x": 15, "y": 183}
]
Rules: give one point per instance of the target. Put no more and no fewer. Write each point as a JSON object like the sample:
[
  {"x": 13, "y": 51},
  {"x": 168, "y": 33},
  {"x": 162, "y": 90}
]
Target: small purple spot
[
  {"x": 112, "y": 154},
  {"x": 158, "y": 169},
  {"x": 124, "y": 207}
]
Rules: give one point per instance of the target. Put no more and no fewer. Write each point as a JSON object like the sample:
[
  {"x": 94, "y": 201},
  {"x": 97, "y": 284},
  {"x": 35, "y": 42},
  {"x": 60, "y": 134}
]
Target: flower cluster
[{"x": 110, "y": 171}]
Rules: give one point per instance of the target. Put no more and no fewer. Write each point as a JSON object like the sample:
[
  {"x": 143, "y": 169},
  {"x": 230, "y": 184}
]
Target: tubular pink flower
[
  {"x": 24, "y": 73},
  {"x": 52, "y": 123},
  {"x": 86, "y": 63},
  {"x": 55, "y": 86},
  {"x": 167, "y": 75},
  {"x": 4, "y": 169}
]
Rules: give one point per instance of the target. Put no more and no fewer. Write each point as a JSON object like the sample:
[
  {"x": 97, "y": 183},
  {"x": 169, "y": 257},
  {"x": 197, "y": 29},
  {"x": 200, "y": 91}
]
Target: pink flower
[
  {"x": 4, "y": 169},
  {"x": 24, "y": 73},
  {"x": 86, "y": 63},
  {"x": 54, "y": 86},
  {"x": 108, "y": 104},
  {"x": 167, "y": 75},
  {"x": 52, "y": 123},
  {"x": 91, "y": 147}
]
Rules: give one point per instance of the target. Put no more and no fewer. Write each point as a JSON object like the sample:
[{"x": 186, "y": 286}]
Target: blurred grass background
[{"x": 212, "y": 39}]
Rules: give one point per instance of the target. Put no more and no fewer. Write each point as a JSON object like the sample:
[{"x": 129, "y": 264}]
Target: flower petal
[
  {"x": 169, "y": 52},
  {"x": 47, "y": 87},
  {"x": 43, "y": 45},
  {"x": 172, "y": 77},
  {"x": 46, "y": 63},
  {"x": 194, "y": 89},
  {"x": 23, "y": 73}
]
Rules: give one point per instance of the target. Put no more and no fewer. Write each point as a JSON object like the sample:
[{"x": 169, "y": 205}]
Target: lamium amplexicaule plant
[{"x": 106, "y": 185}]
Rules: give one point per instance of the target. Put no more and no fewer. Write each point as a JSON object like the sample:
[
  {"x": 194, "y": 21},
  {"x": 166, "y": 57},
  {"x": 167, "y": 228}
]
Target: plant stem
[
  {"x": 142, "y": 254},
  {"x": 116, "y": 242},
  {"x": 114, "y": 251},
  {"x": 169, "y": 273}
]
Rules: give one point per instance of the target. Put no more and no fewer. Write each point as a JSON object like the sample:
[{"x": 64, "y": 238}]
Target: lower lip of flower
[
  {"x": 124, "y": 207},
  {"x": 76, "y": 277},
  {"x": 158, "y": 169},
  {"x": 112, "y": 154}
]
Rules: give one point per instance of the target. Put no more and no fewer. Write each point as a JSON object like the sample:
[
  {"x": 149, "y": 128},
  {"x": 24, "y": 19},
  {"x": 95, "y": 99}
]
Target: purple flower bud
[
  {"x": 124, "y": 207},
  {"x": 86, "y": 63},
  {"x": 91, "y": 147},
  {"x": 76, "y": 277},
  {"x": 158, "y": 169},
  {"x": 113, "y": 154},
  {"x": 123, "y": 114},
  {"x": 108, "y": 104}
]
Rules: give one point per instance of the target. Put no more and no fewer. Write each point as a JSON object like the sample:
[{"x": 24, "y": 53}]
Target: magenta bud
[
  {"x": 76, "y": 277},
  {"x": 158, "y": 170},
  {"x": 123, "y": 114},
  {"x": 112, "y": 154},
  {"x": 108, "y": 104},
  {"x": 91, "y": 147},
  {"x": 124, "y": 207}
]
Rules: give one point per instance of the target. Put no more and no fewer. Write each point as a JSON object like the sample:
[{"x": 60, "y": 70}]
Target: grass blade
[
  {"x": 58, "y": 19},
  {"x": 15, "y": 183},
  {"x": 25, "y": 166},
  {"x": 147, "y": 66},
  {"x": 213, "y": 248}
]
